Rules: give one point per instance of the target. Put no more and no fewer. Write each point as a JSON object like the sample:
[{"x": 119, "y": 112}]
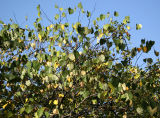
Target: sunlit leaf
[
  {"x": 138, "y": 26},
  {"x": 80, "y": 5},
  {"x": 71, "y": 56},
  {"x": 56, "y": 16},
  {"x": 55, "y": 102}
]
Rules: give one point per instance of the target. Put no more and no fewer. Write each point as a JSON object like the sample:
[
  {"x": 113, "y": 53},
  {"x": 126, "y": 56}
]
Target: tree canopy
[{"x": 76, "y": 69}]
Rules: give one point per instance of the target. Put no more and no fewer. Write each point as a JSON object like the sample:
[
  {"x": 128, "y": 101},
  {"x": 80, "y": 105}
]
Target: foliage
[{"x": 76, "y": 70}]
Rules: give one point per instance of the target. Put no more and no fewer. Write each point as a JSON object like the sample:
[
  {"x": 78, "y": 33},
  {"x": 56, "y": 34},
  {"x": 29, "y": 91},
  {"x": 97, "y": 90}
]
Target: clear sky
[{"x": 145, "y": 12}]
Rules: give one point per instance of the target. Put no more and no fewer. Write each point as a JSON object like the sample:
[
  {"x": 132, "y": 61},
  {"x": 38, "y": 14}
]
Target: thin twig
[
  {"x": 79, "y": 14},
  {"x": 15, "y": 18},
  {"x": 47, "y": 16},
  {"x": 91, "y": 14},
  {"x": 138, "y": 58}
]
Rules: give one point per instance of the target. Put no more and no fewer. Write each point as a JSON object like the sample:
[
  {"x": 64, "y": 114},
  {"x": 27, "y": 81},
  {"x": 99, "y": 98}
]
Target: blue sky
[{"x": 145, "y": 12}]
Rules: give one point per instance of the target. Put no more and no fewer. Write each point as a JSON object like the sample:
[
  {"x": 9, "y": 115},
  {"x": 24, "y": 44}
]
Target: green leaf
[
  {"x": 38, "y": 9},
  {"x": 70, "y": 10},
  {"x": 9, "y": 114},
  {"x": 108, "y": 14},
  {"x": 28, "y": 108},
  {"x": 38, "y": 20},
  {"x": 86, "y": 30},
  {"x": 103, "y": 86},
  {"x": 116, "y": 14},
  {"x": 118, "y": 66},
  {"x": 142, "y": 41},
  {"x": 14, "y": 26},
  {"x": 52, "y": 77},
  {"x": 149, "y": 60},
  {"x": 40, "y": 111},
  {"x": 63, "y": 14},
  {"x": 55, "y": 6},
  {"x": 102, "y": 17},
  {"x": 80, "y": 5},
  {"x": 94, "y": 101},
  {"x": 88, "y": 14},
  {"x": 46, "y": 114},
  {"x": 106, "y": 26},
  {"x": 56, "y": 16},
  {"x": 98, "y": 19},
  {"x": 130, "y": 95},
  {"x": 1, "y": 22},
  {"x": 18, "y": 93},
  {"x": 102, "y": 41},
  {"x": 138, "y": 26},
  {"x": 126, "y": 20},
  {"x": 36, "y": 65},
  {"x": 85, "y": 94},
  {"x": 28, "y": 65},
  {"x": 21, "y": 110}
]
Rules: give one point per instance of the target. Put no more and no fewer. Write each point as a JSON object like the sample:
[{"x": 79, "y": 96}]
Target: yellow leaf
[
  {"x": 56, "y": 65},
  {"x": 4, "y": 106},
  {"x": 55, "y": 102},
  {"x": 71, "y": 100},
  {"x": 50, "y": 101},
  {"x": 140, "y": 83},
  {"x": 48, "y": 28},
  {"x": 68, "y": 79},
  {"x": 40, "y": 37},
  {"x": 100, "y": 36},
  {"x": 26, "y": 99},
  {"x": 133, "y": 70},
  {"x": 61, "y": 9},
  {"x": 127, "y": 88},
  {"x": 137, "y": 76},
  {"x": 51, "y": 26},
  {"x": 61, "y": 95},
  {"x": 19, "y": 40},
  {"x": 16, "y": 58},
  {"x": 128, "y": 27},
  {"x": 55, "y": 86},
  {"x": 62, "y": 26},
  {"x": 75, "y": 26}
]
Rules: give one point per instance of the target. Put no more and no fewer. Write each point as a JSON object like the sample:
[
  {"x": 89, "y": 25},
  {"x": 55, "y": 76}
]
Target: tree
[{"x": 78, "y": 70}]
